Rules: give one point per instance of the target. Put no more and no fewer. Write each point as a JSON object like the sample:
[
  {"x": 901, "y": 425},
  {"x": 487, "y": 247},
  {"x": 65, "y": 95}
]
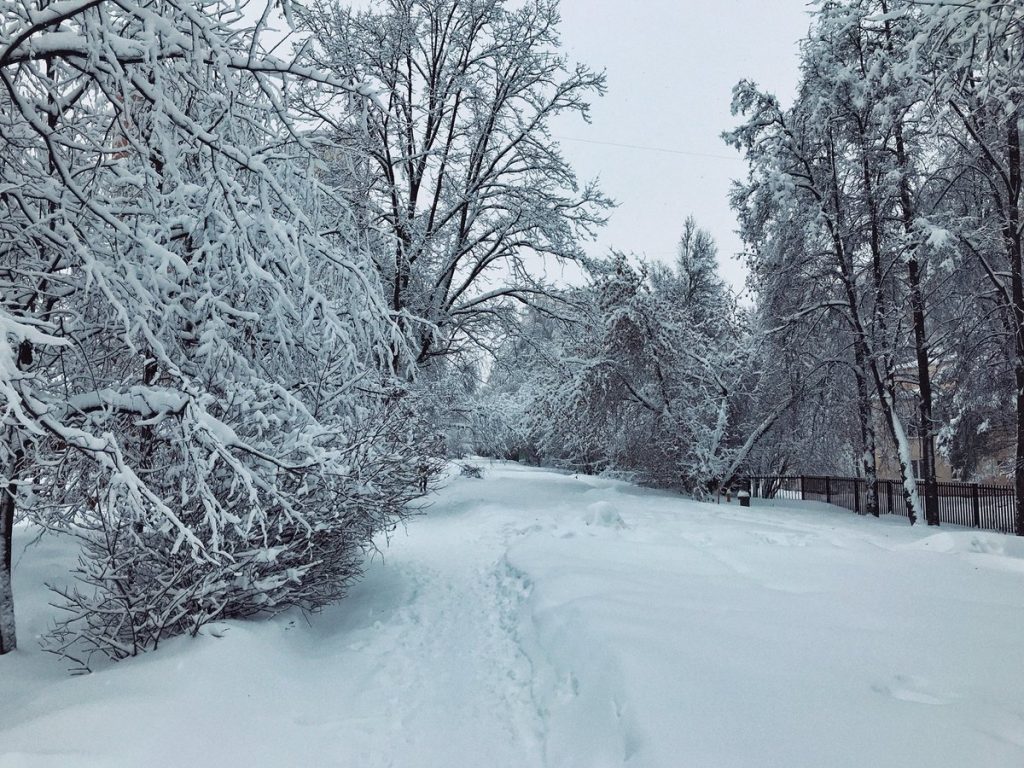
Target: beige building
[{"x": 990, "y": 466}]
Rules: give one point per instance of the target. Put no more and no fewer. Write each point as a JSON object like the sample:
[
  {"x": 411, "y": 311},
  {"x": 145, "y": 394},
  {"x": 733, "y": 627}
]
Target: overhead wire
[{"x": 645, "y": 148}]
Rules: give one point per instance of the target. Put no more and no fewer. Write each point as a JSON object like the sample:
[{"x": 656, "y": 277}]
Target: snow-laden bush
[{"x": 296, "y": 537}]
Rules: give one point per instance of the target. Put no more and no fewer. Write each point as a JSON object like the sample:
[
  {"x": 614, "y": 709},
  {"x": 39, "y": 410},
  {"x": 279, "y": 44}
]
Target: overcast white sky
[{"x": 671, "y": 65}]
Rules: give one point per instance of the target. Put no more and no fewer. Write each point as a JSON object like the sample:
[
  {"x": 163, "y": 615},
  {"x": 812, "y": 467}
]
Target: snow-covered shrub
[
  {"x": 296, "y": 536},
  {"x": 440, "y": 396},
  {"x": 500, "y": 425}
]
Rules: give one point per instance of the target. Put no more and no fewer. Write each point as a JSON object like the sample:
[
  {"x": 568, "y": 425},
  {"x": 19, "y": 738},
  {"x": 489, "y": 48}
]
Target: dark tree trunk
[
  {"x": 924, "y": 375},
  {"x": 865, "y": 413},
  {"x": 863, "y": 360},
  {"x": 1012, "y": 237},
  {"x": 924, "y": 404},
  {"x": 8, "y": 636}
]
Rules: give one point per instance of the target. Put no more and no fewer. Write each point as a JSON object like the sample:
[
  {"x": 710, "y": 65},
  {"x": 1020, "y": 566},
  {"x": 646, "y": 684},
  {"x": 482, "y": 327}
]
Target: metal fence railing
[{"x": 975, "y": 505}]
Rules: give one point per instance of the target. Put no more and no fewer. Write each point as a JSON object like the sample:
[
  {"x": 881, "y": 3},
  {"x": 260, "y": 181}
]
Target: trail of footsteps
[
  {"x": 578, "y": 698},
  {"x": 449, "y": 683}
]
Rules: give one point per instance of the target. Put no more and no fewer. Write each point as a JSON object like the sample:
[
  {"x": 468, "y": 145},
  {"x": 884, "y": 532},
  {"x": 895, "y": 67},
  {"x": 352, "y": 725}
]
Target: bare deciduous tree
[{"x": 464, "y": 185}]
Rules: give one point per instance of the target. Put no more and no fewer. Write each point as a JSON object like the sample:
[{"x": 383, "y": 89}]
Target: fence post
[
  {"x": 803, "y": 493},
  {"x": 888, "y": 497},
  {"x": 976, "y": 504},
  {"x": 856, "y": 495},
  {"x": 828, "y": 490}
]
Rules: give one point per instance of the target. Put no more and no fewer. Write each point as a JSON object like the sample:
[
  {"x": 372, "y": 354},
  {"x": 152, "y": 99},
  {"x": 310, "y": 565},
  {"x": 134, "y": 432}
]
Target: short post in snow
[
  {"x": 828, "y": 490},
  {"x": 803, "y": 488}
]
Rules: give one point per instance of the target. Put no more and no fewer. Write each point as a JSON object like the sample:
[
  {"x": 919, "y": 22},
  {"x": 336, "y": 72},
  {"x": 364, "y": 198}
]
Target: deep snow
[{"x": 539, "y": 619}]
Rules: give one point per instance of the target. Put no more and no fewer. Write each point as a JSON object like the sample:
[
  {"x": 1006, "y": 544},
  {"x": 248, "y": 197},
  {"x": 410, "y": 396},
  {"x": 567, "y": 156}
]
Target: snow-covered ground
[{"x": 539, "y": 619}]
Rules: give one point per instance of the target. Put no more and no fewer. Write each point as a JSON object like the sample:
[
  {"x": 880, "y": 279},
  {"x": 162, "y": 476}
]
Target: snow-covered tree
[
  {"x": 794, "y": 212},
  {"x": 972, "y": 55},
  {"x": 889, "y": 195},
  {"x": 465, "y": 189},
  {"x": 840, "y": 174},
  {"x": 193, "y": 364},
  {"x": 652, "y": 373}
]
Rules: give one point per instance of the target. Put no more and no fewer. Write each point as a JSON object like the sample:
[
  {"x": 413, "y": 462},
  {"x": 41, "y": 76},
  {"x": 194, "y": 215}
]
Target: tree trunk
[
  {"x": 8, "y": 501},
  {"x": 8, "y": 638},
  {"x": 917, "y": 308},
  {"x": 1012, "y": 237},
  {"x": 861, "y": 348},
  {"x": 869, "y": 460},
  {"x": 899, "y": 435},
  {"x": 868, "y": 363},
  {"x": 8, "y": 506},
  {"x": 924, "y": 403}
]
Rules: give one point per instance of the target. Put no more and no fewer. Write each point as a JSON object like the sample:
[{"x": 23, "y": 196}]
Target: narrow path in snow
[{"x": 442, "y": 660}]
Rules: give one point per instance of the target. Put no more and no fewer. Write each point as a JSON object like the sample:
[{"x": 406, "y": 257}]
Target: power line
[{"x": 650, "y": 149}]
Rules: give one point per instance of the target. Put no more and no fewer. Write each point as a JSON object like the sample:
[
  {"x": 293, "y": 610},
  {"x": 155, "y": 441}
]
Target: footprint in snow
[{"x": 904, "y": 688}]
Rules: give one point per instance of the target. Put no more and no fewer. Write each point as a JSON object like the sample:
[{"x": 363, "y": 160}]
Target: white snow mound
[{"x": 602, "y": 514}]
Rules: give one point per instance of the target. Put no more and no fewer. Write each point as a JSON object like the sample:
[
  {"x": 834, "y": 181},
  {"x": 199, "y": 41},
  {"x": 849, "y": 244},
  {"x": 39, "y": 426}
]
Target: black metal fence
[{"x": 976, "y": 505}]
